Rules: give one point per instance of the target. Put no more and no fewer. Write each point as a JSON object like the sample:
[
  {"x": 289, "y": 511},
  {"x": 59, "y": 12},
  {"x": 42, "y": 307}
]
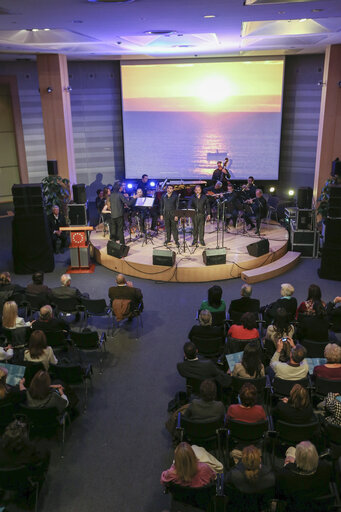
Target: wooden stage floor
[{"x": 190, "y": 267}]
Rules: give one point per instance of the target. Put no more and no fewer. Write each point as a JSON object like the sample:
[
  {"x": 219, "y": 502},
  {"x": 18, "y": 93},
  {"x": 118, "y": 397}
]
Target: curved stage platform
[{"x": 190, "y": 267}]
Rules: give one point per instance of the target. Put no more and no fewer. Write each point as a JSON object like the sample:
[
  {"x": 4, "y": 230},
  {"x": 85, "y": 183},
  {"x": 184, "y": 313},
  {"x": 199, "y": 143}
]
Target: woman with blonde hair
[
  {"x": 186, "y": 470},
  {"x": 10, "y": 318},
  {"x": 296, "y": 409},
  {"x": 332, "y": 368}
]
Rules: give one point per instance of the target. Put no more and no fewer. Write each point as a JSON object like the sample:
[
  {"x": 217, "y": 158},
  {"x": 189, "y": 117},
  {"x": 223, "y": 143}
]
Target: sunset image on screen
[{"x": 183, "y": 117}]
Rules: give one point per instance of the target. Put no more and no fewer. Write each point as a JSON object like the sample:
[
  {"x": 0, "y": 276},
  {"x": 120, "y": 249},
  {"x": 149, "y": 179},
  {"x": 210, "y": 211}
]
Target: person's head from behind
[
  {"x": 314, "y": 293},
  {"x": 65, "y": 280},
  {"x": 248, "y": 321},
  {"x": 117, "y": 186},
  {"x": 318, "y": 309},
  {"x": 37, "y": 344},
  {"x": 120, "y": 279},
  {"x": 5, "y": 278},
  {"x": 214, "y": 296},
  {"x": 299, "y": 397},
  {"x": 15, "y": 436},
  {"x": 185, "y": 462},
  {"x": 251, "y": 460},
  {"x": 281, "y": 321},
  {"x": 218, "y": 185},
  {"x": 40, "y": 385},
  {"x": 190, "y": 350},
  {"x": 251, "y": 359},
  {"x": 248, "y": 395},
  {"x": 45, "y": 313},
  {"x": 9, "y": 314},
  {"x": 208, "y": 390},
  {"x": 332, "y": 353},
  {"x": 246, "y": 290},
  {"x": 306, "y": 457},
  {"x": 3, "y": 387},
  {"x": 38, "y": 278},
  {"x": 298, "y": 353},
  {"x": 205, "y": 317},
  {"x": 287, "y": 290}
]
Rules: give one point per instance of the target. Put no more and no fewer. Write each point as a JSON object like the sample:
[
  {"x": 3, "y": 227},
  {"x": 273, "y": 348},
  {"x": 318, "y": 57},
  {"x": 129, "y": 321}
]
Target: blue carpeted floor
[{"x": 116, "y": 451}]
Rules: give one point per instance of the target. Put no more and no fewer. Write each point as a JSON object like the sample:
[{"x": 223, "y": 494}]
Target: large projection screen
[{"x": 179, "y": 119}]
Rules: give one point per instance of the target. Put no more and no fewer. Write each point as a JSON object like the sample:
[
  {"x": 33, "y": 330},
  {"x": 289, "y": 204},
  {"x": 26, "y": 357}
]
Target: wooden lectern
[{"x": 79, "y": 249}]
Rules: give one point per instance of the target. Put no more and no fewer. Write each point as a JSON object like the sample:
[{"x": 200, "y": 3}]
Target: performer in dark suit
[
  {"x": 201, "y": 205},
  {"x": 249, "y": 189},
  {"x": 143, "y": 184},
  {"x": 169, "y": 203},
  {"x": 56, "y": 221},
  {"x": 117, "y": 202},
  {"x": 232, "y": 204},
  {"x": 259, "y": 209},
  {"x": 125, "y": 290}
]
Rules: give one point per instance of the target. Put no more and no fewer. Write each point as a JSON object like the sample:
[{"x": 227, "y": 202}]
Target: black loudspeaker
[
  {"x": 336, "y": 167},
  {"x": 27, "y": 191},
  {"x": 79, "y": 195},
  {"x": 31, "y": 245},
  {"x": 28, "y": 199},
  {"x": 52, "y": 167},
  {"x": 77, "y": 214},
  {"x": 304, "y": 197},
  {"x": 332, "y": 234},
  {"x": 334, "y": 203},
  {"x": 163, "y": 257},
  {"x": 330, "y": 263},
  {"x": 305, "y": 220},
  {"x": 258, "y": 248},
  {"x": 117, "y": 250},
  {"x": 214, "y": 256}
]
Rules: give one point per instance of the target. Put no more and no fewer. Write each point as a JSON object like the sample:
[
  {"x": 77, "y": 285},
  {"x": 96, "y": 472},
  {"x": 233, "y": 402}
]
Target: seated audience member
[
  {"x": 333, "y": 409},
  {"x": 295, "y": 409},
  {"x": 7, "y": 289},
  {"x": 332, "y": 368},
  {"x": 47, "y": 323},
  {"x": 303, "y": 477},
  {"x": 10, "y": 318},
  {"x": 9, "y": 394},
  {"x": 214, "y": 302},
  {"x": 201, "y": 369},
  {"x": 42, "y": 394},
  {"x": 296, "y": 368},
  {"x": 314, "y": 325},
  {"x": 125, "y": 291},
  {"x": 287, "y": 301},
  {"x": 205, "y": 329},
  {"x": 66, "y": 291},
  {"x": 245, "y": 304},
  {"x": 247, "y": 330},
  {"x": 247, "y": 411},
  {"x": 251, "y": 366},
  {"x": 6, "y": 353},
  {"x": 206, "y": 408},
  {"x": 56, "y": 220},
  {"x": 280, "y": 328},
  {"x": 249, "y": 476},
  {"x": 38, "y": 351},
  {"x": 334, "y": 315},
  {"x": 186, "y": 470},
  {"x": 314, "y": 295},
  {"x": 37, "y": 287}
]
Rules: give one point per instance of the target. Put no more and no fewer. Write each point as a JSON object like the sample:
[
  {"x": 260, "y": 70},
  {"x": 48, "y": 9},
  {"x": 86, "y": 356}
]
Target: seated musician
[
  {"x": 152, "y": 211},
  {"x": 232, "y": 205},
  {"x": 143, "y": 184},
  {"x": 249, "y": 189},
  {"x": 221, "y": 173},
  {"x": 140, "y": 211},
  {"x": 201, "y": 205},
  {"x": 259, "y": 210}
]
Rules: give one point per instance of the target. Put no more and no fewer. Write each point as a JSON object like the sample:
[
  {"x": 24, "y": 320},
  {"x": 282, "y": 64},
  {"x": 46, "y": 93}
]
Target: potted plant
[{"x": 56, "y": 190}]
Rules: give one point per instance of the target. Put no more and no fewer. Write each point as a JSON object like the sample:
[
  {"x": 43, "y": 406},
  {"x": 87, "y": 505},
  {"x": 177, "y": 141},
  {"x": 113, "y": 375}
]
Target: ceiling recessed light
[
  {"x": 35, "y": 29},
  {"x": 302, "y": 20},
  {"x": 46, "y": 29},
  {"x": 209, "y": 16},
  {"x": 160, "y": 32}
]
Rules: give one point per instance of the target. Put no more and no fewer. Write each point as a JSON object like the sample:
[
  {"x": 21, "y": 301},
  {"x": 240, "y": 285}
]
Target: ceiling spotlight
[
  {"x": 160, "y": 32},
  {"x": 49, "y": 90},
  {"x": 272, "y": 190},
  {"x": 35, "y": 29},
  {"x": 291, "y": 192},
  {"x": 302, "y": 20},
  {"x": 209, "y": 16},
  {"x": 46, "y": 29},
  {"x": 68, "y": 88}
]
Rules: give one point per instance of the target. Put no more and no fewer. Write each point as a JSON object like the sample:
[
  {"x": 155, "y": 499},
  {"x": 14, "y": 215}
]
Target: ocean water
[{"x": 176, "y": 144}]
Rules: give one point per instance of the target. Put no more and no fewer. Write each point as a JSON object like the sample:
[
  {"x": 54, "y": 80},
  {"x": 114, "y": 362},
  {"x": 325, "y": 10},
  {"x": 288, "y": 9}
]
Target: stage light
[
  {"x": 152, "y": 183},
  {"x": 291, "y": 192},
  {"x": 272, "y": 190},
  {"x": 130, "y": 185}
]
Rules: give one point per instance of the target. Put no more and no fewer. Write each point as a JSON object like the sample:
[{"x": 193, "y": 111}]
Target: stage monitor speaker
[
  {"x": 79, "y": 194},
  {"x": 77, "y": 214},
  {"x": 117, "y": 250},
  {"x": 31, "y": 245},
  {"x": 330, "y": 263},
  {"x": 305, "y": 220},
  {"x": 163, "y": 257},
  {"x": 214, "y": 256},
  {"x": 258, "y": 248},
  {"x": 304, "y": 198},
  {"x": 52, "y": 167}
]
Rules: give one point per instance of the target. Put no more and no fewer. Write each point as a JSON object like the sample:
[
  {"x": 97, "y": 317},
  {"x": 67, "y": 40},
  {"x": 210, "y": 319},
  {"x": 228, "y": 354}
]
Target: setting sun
[{"x": 213, "y": 89}]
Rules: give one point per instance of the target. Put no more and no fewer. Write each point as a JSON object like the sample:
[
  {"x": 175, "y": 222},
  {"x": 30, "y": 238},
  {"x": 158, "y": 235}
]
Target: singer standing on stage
[
  {"x": 169, "y": 204},
  {"x": 117, "y": 202},
  {"x": 201, "y": 205}
]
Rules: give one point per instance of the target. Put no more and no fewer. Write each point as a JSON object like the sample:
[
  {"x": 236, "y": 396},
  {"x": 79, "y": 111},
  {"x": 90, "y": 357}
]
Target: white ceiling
[{"x": 83, "y": 29}]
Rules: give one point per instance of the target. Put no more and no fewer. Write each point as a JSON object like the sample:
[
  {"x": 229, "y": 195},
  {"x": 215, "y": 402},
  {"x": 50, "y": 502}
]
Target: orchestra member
[
  {"x": 56, "y": 220},
  {"x": 117, "y": 202},
  {"x": 143, "y": 184},
  {"x": 201, "y": 205},
  {"x": 221, "y": 173},
  {"x": 169, "y": 203},
  {"x": 140, "y": 210},
  {"x": 249, "y": 189},
  {"x": 259, "y": 209},
  {"x": 232, "y": 204}
]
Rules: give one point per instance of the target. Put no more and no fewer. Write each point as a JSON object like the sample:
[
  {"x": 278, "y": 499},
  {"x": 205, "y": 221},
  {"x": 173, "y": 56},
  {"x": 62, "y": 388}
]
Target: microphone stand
[
  {"x": 223, "y": 225},
  {"x": 218, "y": 221}
]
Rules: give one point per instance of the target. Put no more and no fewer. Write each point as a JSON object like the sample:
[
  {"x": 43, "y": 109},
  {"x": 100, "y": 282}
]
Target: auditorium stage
[{"x": 190, "y": 267}]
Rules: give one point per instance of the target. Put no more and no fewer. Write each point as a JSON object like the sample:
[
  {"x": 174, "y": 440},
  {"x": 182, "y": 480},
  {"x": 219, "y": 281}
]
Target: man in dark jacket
[
  {"x": 65, "y": 291},
  {"x": 56, "y": 220},
  {"x": 126, "y": 290},
  {"x": 245, "y": 304},
  {"x": 47, "y": 323},
  {"x": 117, "y": 203}
]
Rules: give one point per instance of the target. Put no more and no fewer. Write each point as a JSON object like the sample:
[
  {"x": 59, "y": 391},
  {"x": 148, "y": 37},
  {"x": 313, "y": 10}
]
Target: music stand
[
  {"x": 145, "y": 202},
  {"x": 183, "y": 215}
]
